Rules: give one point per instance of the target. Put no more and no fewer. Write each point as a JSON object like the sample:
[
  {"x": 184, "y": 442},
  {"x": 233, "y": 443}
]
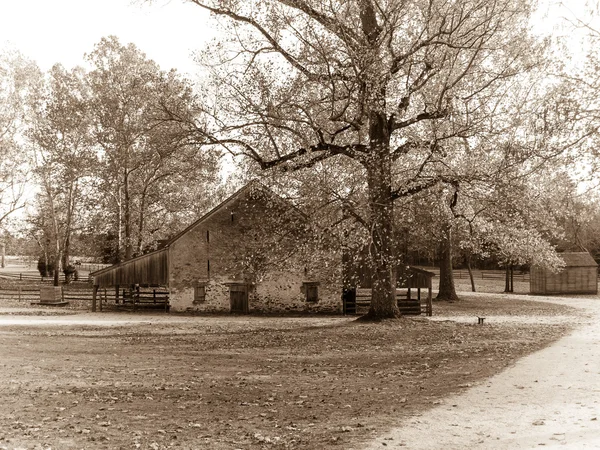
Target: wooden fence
[
  {"x": 81, "y": 295},
  {"x": 139, "y": 297},
  {"x": 30, "y": 277},
  {"x": 407, "y": 306},
  {"x": 490, "y": 274}
]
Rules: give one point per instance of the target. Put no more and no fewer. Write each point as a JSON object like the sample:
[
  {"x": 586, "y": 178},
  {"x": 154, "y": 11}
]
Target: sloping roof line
[
  {"x": 238, "y": 193},
  {"x": 193, "y": 225},
  {"x": 578, "y": 259},
  {"x": 129, "y": 261},
  {"x": 422, "y": 271},
  {"x": 179, "y": 235}
]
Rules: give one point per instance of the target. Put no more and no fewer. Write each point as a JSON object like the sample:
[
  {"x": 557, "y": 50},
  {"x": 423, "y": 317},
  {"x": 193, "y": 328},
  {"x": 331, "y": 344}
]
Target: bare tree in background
[{"x": 17, "y": 81}]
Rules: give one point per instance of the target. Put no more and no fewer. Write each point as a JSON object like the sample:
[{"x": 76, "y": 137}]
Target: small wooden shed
[{"x": 579, "y": 276}]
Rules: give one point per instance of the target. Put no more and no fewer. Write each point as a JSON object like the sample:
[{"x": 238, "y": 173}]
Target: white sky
[
  {"x": 51, "y": 31},
  {"x": 168, "y": 31}
]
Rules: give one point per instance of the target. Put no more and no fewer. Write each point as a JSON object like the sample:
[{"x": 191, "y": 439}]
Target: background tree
[
  {"x": 145, "y": 165},
  {"x": 64, "y": 155},
  {"x": 18, "y": 80}
]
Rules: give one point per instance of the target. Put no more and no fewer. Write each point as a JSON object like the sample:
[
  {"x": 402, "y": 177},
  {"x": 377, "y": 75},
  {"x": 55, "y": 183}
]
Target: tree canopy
[{"x": 393, "y": 86}]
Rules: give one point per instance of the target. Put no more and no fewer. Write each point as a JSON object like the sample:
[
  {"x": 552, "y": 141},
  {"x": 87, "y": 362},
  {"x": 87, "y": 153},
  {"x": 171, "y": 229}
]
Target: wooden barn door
[{"x": 238, "y": 298}]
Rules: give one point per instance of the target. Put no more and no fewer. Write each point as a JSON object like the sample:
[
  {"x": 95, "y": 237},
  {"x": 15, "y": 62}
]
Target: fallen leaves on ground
[{"x": 252, "y": 382}]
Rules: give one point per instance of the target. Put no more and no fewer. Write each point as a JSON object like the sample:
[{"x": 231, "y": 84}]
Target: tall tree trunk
[
  {"x": 509, "y": 278},
  {"x": 141, "y": 224},
  {"x": 57, "y": 266},
  {"x": 470, "y": 269},
  {"x": 66, "y": 257},
  {"x": 66, "y": 248},
  {"x": 127, "y": 218},
  {"x": 447, "y": 291},
  {"x": 119, "y": 225},
  {"x": 379, "y": 175},
  {"x": 46, "y": 259}
]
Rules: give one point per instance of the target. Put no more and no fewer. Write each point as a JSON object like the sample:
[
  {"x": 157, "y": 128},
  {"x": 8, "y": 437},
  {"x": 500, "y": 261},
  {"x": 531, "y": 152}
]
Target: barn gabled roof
[
  {"x": 229, "y": 199},
  {"x": 148, "y": 257},
  {"x": 206, "y": 216},
  {"x": 254, "y": 184},
  {"x": 578, "y": 259}
]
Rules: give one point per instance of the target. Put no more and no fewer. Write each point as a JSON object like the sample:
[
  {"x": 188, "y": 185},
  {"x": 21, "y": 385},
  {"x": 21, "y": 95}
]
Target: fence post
[
  {"x": 101, "y": 298},
  {"x": 94, "y": 298}
]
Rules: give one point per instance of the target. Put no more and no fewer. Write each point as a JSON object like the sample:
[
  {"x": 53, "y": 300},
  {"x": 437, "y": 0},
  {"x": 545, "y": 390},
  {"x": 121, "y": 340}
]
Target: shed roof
[{"x": 578, "y": 259}]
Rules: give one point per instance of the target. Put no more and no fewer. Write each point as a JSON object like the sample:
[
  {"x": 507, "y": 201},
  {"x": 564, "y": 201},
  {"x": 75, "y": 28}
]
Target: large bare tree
[{"x": 385, "y": 83}]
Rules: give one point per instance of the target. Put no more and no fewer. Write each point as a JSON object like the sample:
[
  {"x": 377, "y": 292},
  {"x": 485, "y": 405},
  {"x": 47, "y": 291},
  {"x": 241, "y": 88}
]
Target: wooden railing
[{"x": 82, "y": 294}]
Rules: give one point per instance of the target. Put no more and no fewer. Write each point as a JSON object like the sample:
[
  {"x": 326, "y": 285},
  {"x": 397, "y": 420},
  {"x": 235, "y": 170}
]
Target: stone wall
[
  {"x": 281, "y": 293},
  {"x": 237, "y": 243}
]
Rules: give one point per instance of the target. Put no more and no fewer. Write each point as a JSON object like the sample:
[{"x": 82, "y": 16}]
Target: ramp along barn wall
[{"x": 253, "y": 252}]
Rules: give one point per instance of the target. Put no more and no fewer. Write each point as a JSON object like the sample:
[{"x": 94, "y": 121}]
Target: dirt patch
[{"x": 243, "y": 382}]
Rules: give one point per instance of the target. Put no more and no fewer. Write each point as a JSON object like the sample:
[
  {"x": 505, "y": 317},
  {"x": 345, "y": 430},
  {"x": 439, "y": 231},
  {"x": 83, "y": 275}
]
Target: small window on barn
[
  {"x": 208, "y": 267},
  {"x": 232, "y": 216},
  {"x": 207, "y": 236},
  {"x": 199, "y": 293},
  {"x": 311, "y": 289}
]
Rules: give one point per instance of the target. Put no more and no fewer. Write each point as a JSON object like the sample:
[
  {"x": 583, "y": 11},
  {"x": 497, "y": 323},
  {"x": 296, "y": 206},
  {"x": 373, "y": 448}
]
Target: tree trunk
[
  {"x": 119, "y": 225},
  {"x": 383, "y": 264},
  {"x": 468, "y": 259},
  {"x": 512, "y": 278},
  {"x": 66, "y": 257},
  {"x": 447, "y": 291},
  {"x": 46, "y": 260},
  {"x": 57, "y": 264},
  {"x": 73, "y": 191},
  {"x": 141, "y": 224},
  {"x": 508, "y": 278},
  {"x": 127, "y": 218}
]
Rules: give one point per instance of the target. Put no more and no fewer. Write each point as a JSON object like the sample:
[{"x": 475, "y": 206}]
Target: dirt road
[{"x": 549, "y": 399}]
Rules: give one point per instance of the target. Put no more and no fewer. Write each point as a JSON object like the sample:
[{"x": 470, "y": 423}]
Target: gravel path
[{"x": 550, "y": 399}]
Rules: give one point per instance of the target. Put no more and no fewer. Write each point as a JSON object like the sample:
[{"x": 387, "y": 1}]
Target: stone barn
[
  {"x": 254, "y": 252},
  {"x": 579, "y": 276}
]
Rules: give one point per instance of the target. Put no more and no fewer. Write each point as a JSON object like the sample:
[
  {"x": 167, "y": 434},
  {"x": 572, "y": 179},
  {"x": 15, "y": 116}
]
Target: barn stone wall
[
  {"x": 214, "y": 253},
  {"x": 280, "y": 293},
  {"x": 285, "y": 292}
]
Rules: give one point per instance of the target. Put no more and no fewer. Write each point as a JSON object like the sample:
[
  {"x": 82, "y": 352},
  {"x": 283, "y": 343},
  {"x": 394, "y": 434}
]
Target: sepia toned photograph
[{"x": 299, "y": 224}]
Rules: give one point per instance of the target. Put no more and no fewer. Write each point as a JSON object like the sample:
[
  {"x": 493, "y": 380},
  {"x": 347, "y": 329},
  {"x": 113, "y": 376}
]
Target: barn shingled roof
[{"x": 578, "y": 259}]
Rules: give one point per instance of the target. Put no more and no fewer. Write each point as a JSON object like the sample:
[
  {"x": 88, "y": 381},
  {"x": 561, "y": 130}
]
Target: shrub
[
  {"x": 70, "y": 273},
  {"x": 42, "y": 267}
]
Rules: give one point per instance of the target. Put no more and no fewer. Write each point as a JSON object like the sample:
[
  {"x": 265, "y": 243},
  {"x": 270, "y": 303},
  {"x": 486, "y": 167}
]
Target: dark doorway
[{"x": 238, "y": 297}]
